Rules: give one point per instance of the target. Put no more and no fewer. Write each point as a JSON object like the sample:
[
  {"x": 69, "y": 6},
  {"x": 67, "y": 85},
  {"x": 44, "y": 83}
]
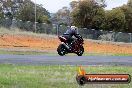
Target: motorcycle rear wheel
[{"x": 61, "y": 50}]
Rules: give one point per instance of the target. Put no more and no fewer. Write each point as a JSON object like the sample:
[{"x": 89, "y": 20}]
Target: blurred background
[{"x": 91, "y": 17}]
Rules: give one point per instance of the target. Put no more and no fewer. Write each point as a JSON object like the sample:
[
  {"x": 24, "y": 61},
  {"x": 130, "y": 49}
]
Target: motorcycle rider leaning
[{"x": 72, "y": 31}]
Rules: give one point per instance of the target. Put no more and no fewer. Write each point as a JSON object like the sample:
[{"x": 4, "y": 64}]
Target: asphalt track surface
[{"x": 65, "y": 60}]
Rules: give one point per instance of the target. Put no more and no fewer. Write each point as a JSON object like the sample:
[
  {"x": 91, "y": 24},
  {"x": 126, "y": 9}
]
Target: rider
[{"x": 72, "y": 31}]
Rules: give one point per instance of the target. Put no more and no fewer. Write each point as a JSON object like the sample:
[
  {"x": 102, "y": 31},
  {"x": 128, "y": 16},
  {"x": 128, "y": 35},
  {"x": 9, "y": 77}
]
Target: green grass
[
  {"x": 55, "y": 53},
  {"x": 106, "y": 54},
  {"x": 19, "y": 76},
  {"x": 122, "y": 55},
  {"x": 25, "y": 52}
]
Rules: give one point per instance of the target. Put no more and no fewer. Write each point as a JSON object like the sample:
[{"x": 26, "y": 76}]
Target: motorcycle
[{"x": 75, "y": 47}]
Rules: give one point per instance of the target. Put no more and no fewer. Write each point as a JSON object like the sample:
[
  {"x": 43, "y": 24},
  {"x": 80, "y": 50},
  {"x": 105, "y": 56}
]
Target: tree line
[
  {"x": 92, "y": 14},
  {"x": 23, "y": 10}
]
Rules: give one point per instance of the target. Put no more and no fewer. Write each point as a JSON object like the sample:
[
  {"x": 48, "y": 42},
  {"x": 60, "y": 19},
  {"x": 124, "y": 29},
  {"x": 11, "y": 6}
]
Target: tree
[
  {"x": 6, "y": 8},
  {"x": 98, "y": 19},
  {"x": 114, "y": 20},
  {"x": 73, "y": 4},
  {"x": 1, "y": 13},
  {"x": 127, "y": 10},
  {"x": 129, "y": 3},
  {"x": 84, "y": 14},
  {"x": 27, "y": 12},
  {"x": 62, "y": 16},
  {"x": 42, "y": 15}
]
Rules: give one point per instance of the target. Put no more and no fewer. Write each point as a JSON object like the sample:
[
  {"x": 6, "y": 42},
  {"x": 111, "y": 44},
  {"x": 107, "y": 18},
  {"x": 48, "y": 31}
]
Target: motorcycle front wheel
[{"x": 61, "y": 50}]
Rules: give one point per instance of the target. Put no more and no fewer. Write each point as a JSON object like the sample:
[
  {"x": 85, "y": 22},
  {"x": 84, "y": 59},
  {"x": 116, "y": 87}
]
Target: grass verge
[
  {"x": 106, "y": 54},
  {"x": 19, "y": 76},
  {"x": 25, "y": 52},
  {"x": 55, "y": 53}
]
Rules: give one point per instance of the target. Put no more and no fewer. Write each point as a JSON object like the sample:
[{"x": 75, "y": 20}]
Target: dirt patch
[{"x": 50, "y": 43}]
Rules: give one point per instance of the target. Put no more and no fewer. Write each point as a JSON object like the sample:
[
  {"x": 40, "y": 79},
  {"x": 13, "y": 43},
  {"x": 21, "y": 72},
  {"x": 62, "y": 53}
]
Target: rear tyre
[
  {"x": 80, "y": 52},
  {"x": 61, "y": 50}
]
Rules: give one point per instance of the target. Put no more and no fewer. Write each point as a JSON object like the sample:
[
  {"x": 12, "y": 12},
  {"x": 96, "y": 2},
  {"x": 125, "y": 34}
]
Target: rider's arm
[{"x": 77, "y": 35}]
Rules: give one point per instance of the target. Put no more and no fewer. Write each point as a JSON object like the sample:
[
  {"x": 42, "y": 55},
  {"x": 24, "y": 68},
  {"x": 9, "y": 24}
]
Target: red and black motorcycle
[{"x": 76, "y": 46}]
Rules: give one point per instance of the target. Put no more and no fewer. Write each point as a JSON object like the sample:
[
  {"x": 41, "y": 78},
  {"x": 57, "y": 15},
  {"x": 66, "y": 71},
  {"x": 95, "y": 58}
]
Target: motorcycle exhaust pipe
[{"x": 67, "y": 47}]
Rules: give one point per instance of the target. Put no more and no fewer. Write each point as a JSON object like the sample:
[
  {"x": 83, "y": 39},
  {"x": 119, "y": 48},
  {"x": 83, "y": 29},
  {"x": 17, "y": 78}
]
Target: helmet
[{"x": 73, "y": 27}]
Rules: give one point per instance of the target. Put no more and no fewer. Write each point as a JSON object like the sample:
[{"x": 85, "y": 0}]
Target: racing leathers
[{"x": 69, "y": 36}]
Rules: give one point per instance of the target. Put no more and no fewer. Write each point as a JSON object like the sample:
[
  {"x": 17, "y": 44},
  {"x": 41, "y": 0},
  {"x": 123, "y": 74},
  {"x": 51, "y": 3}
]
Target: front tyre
[
  {"x": 81, "y": 51},
  {"x": 61, "y": 50}
]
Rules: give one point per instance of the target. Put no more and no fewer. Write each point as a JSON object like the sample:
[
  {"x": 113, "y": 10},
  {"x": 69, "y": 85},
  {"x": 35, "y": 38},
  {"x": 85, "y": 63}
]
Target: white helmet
[{"x": 73, "y": 27}]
